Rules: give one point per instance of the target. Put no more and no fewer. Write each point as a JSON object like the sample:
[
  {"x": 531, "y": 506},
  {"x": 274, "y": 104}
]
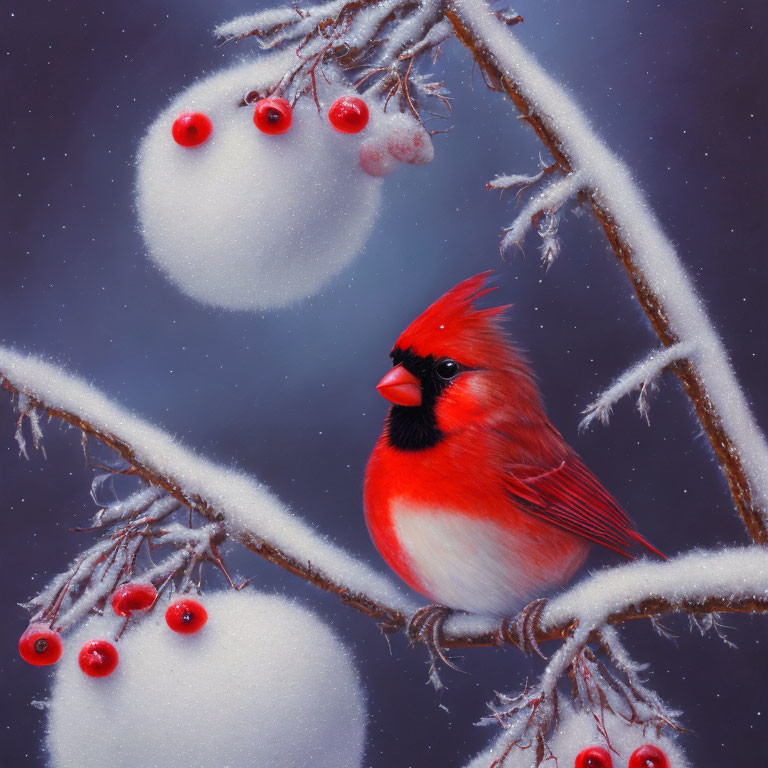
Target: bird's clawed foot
[
  {"x": 426, "y": 627},
  {"x": 522, "y": 628}
]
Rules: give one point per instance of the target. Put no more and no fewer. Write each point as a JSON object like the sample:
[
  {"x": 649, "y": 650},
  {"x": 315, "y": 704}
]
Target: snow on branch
[
  {"x": 377, "y": 41},
  {"x": 542, "y": 212},
  {"x": 708, "y": 581},
  {"x": 237, "y": 507},
  {"x": 522, "y": 180},
  {"x": 733, "y": 580},
  {"x": 244, "y": 508},
  {"x": 89, "y": 582},
  {"x": 661, "y": 284},
  {"x": 605, "y": 680},
  {"x": 641, "y": 376}
]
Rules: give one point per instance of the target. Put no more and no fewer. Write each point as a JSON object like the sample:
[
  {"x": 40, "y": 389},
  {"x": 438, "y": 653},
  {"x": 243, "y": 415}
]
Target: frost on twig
[
  {"x": 145, "y": 538},
  {"x": 32, "y": 415},
  {"x": 604, "y": 681},
  {"x": 512, "y": 180},
  {"x": 375, "y": 44},
  {"x": 542, "y": 212},
  {"x": 641, "y": 376}
]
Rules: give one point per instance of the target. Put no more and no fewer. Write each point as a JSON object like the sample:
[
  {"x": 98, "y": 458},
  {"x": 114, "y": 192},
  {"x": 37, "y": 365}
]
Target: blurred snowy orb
[
  {"x": 265, "y": 683},
  {"x": 244, "y": 219}
]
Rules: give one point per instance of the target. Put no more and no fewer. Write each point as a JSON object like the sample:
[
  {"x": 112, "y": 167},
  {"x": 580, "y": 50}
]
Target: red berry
[
  {"x": 186, "y": 616},
  {"x": 40, "y": 646},
  {"x": 648, "y": 756},
  {"x": 133, "y": 597},
  {"x": 272, "y": 116},
  {"x": 191, "y": 128},
  {"x": 593, "y": 757},
  {"x": 98, "y": 658},
  {"x": 348, "y": 114}
]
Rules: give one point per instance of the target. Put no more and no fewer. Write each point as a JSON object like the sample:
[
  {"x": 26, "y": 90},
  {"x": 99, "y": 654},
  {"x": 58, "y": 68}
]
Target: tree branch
[
  {"x": 730, "y": 581},
  {"x": 640, "y": 376},
  {"x": 660, "y": 283},
  {"x": 231, "y": 499}
]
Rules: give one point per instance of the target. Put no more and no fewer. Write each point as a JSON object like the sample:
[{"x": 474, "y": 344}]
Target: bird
[{"x": 471, "y": 495}]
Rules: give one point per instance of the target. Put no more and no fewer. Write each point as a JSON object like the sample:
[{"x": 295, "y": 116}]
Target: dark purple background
[{"x": 677, "y": 89}]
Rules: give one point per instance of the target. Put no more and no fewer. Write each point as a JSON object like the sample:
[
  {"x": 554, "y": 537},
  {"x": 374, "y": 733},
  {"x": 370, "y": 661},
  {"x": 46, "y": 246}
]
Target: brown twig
[{"x": 722, "y": 444}]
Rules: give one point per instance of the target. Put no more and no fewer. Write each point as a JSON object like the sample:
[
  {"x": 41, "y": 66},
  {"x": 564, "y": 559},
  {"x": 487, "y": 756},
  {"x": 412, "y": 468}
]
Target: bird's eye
[
  {"x": 272, "y": 116},
  {"x": 648, "y": 756},
  {"x": 594, "y": 757},
  {"x": 191, "y": 129},
  {"x": 447, "y": 369}
]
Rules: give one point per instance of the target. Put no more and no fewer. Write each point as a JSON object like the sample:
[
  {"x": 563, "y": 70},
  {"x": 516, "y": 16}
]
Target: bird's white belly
[{"x": 475, "y": 565}]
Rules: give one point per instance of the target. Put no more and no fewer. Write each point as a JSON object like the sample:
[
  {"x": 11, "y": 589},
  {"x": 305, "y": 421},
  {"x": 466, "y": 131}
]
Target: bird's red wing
[{"x": 570, "y": 497}]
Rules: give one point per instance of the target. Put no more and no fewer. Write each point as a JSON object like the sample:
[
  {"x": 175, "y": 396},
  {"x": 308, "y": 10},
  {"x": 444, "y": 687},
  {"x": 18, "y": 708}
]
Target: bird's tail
[{"x": 640, "y": 540}]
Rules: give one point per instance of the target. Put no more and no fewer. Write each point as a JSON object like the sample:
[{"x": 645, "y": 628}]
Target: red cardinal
[{"x": 471, "y": 495}]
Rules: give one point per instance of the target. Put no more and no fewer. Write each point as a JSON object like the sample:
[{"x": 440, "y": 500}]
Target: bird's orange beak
[{"x": 400, "y": 387}]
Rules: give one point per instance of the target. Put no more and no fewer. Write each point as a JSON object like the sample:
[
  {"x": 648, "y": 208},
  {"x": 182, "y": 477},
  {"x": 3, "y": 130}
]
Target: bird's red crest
[{"x": 453, "y": 327}]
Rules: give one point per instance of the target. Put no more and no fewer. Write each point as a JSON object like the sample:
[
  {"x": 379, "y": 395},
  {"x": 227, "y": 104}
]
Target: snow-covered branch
[
  {"x": 605, "y": 680},
  {"x": 663, "y": 288},
  {"x": 138, "y": 521},
  {"x": 246, "y": 512},
  {"x": 375, "y": 43},
  {"x": 542, "y": 212},
  {"x": 521, "y": 180},
  {"x": 640, "y": 376},
  {"x": 731, "y": 580}
]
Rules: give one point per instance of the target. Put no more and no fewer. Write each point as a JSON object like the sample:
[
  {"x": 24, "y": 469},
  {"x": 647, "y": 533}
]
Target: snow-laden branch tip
[
  {"x": 663, "y": 287},
  {"x": 286, "y": 20},
  {"x": 603, "y": 675},
  {"x": 604, "y": 679},
  {"x": 640, "y": 376},
  {"x": 551, "y": 198},
  {"x": 512, "y": 180},
  {"x": 31, "y": 414},
  {"x": 249, "y": 512}
]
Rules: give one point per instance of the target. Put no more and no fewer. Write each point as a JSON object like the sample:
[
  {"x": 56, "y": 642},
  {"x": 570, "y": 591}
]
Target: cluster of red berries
[
  {"x": 647, "y": 756},
  {"x": 272, "y": 116},
  {"x": 41, "y": 646}
]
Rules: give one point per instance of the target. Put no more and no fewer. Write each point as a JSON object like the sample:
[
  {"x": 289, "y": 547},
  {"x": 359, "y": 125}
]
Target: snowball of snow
[
  {"x": 264, "y": 684},
  {"x": 247, "y": 220}
]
